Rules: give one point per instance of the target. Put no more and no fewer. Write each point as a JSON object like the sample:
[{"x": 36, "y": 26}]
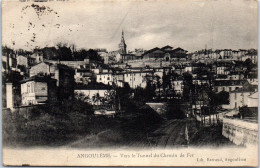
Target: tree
[
  {"x": 109, "y": 97},
  {"x": 187, "y": 86},
  {"x": 149, "y": 91},
  {"x": 64, "y": 52},
  {"x": 249, "y": 66},
  {"x": 81, "y": 96},
  {"x": 221, "y": 98},
  {"x": 96, "y": 98},
  {"x": 93, "y": 55}
]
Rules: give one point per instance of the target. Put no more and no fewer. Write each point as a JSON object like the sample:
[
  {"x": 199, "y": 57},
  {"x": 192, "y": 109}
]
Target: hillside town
[{"x": 208, "y": 88}]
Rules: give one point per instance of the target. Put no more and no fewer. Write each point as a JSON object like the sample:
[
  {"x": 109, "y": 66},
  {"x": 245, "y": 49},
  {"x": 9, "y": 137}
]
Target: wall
[
  {"x": 9, "y": 95},
  {"x": 22, "y": 60},
  {"x": 240, "y": 132},
  {"x": 238, "y": 99},
  {"x": 212, "y": 119},
  {"x": 39, "y": 68}
]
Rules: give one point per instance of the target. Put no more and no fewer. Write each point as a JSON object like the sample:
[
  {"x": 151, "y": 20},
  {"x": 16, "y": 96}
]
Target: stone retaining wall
[{"x": 240, "y": 132}]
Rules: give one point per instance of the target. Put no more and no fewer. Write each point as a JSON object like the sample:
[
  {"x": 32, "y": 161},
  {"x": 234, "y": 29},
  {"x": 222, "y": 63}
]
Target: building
[
  {"x": 178, "y": 54},
  {"x": 226, "y": 53},
  {"x": 241, "y": 96},
  {"x": 253, "y": 100},
  {"x": 228, "y": 85},
  {"x": 37, "y": 56},
  {"x": 8, "y": 62},
  {"x": 104, "y": 56},
  {"x": 38, "y": 90},
  {"x": 83, "y": 76},
  {"x": 62, "y": 73},
  {"x": 154, "y": 54},
  {"x": 122, "y": 45},
  {"x": 136, "y": 78},
  {"x": 72, "y": 64},
  {"x": 178, "y": 86},
  {"x": 94, "y": 94},
  {"x": 105, "y": 78},
  {"x": 22, "y": 61}
]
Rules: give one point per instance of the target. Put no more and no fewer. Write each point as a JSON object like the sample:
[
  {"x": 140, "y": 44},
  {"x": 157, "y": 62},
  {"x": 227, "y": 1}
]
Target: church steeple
[
  {"x": 122, "y": 38},
  {"x": 122, "y": 46}
]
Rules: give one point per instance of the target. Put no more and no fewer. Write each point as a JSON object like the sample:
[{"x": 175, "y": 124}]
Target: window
[
  {"x": 230, "y": 89},
  {"x": 235, "y": 96},
  {"x": 108, "y": 78}
]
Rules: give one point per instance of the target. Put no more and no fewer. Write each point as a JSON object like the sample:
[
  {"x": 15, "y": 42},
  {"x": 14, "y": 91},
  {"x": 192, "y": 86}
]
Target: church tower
[{"x": 122, "y": 46}]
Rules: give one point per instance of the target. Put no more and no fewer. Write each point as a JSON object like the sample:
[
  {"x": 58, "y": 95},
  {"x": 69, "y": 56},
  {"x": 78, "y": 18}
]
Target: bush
[{"x": 47, "y": 125}]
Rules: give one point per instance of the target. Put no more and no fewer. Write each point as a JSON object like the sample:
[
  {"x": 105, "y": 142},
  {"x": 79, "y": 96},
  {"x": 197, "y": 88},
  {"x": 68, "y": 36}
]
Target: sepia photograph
[{"x": 129, "y": 82}]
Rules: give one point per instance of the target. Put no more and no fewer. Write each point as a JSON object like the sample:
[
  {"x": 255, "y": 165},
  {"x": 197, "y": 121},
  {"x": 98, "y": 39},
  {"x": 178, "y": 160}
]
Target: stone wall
[{"x": 240, "y": 132}]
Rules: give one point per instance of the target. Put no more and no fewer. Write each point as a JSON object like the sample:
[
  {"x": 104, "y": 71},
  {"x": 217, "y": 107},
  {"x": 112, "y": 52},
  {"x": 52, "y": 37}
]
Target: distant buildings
[
  {"x": 225, "y": 55},
  {"x": 160, "y": 68}
]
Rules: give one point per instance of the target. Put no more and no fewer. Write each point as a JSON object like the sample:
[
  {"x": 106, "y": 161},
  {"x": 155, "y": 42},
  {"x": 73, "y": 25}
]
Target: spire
[
  {"x": 122, "y": 45},
  {"x": 122, "y": 38}
]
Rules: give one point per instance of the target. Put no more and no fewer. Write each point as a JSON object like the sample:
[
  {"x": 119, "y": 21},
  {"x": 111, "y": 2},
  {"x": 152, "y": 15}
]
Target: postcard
[{"x": 129, "y": 83}]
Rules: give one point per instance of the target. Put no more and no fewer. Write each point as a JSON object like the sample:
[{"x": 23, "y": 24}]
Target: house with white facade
[
  {"x": 178, "y": 86},
  {"x": 252, "y": 100},
  {"x": 241, "y": 97},
  {"x": 38, "y": 90},
  {"x": 95, "y": 94},
  {"x": 105, "y": 78},
  {"x": 228, "y": 85},
  {"x": 136, "y": 78}
]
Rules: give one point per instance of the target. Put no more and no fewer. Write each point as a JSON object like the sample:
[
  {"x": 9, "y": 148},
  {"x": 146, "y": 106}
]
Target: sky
[{"x": 189, "y": 24}]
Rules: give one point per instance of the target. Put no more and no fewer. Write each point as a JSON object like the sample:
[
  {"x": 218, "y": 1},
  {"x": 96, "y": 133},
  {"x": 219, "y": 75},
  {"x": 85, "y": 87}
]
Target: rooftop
[
  {"x": 93, "y": 86},
  {"x": 38, "y": 79},
  {"x": 246, "y": 88}
]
